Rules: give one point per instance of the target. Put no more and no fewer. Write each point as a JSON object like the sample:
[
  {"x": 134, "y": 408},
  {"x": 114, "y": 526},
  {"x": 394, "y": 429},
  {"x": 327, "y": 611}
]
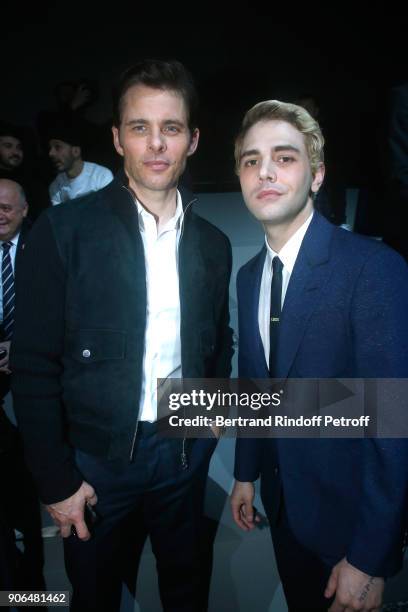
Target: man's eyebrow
[
  {"x": 134, "y": 121},
  {"x": 286, "y": 147},
  {"x": 142, "y": 121},
  {"x": 248, "y": 153},
  {"x": 174, "y": 122},
  {"x": 277, "y": 149}
]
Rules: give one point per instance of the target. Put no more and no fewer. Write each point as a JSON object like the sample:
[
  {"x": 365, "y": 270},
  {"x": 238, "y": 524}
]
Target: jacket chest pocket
[{"x": 94, "y": 345}]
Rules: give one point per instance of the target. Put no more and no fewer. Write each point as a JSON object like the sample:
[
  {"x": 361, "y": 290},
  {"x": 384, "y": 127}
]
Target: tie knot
[
  {"x": 277, "y": 265},
  {"x": 6, "y": 246}
]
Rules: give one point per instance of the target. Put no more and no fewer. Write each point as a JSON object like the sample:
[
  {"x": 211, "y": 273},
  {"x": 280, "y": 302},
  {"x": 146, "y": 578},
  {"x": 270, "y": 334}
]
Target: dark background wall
[{"x": 347, "y": 57}]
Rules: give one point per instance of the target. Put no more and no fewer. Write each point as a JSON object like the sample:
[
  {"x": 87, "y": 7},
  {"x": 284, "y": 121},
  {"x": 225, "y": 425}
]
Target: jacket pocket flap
[{"x": 90, "y": 345}]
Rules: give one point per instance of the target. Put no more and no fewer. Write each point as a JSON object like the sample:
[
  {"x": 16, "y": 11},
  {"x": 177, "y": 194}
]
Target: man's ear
[
  {"x": 193, "y": 142},
  {"x": 25, "y": 212},
  {"x": 116, "y": 140},
  {"x": 77, "y": 152},
  {"x": 318, "y": 178}
]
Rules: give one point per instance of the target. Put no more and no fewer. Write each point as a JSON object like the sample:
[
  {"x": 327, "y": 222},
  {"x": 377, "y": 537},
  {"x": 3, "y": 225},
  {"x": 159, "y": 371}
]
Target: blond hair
[{"x": 274, "y": 110}]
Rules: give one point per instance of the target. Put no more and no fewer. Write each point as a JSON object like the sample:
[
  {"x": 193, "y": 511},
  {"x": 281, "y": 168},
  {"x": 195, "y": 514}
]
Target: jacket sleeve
[
  {"x": 36, "y": 364},
  {"x": 380, "y": 337},
  {"x": 224, "y": 348}
]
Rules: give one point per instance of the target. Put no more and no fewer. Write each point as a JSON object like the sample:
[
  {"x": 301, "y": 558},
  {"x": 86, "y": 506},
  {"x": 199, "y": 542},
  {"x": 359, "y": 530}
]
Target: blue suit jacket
[{"x": 345, "y": 315}]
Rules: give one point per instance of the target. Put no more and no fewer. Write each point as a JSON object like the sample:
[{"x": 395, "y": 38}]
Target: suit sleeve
[
  {"x": 380, "y": 330},
  {"x": 36, "y": 364},
  {"x": 248, "y": 451}
]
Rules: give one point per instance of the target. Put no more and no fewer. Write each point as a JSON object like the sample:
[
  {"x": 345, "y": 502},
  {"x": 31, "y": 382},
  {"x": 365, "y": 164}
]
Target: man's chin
[
  {"x": 271, "y": 218},
  {"x": 160, "y": 184}
]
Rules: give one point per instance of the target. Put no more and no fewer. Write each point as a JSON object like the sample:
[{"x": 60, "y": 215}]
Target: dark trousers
[
  {"x": 303, "y": 574},
  {"x": 165, "y": 502}
]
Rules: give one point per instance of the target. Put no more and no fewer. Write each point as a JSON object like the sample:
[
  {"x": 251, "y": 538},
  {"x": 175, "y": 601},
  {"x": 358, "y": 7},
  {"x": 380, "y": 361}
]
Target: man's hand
[
  {"x": 354, "y": 589},
  {"x": 5, "y": 346},
  {"x": 217, "y": 431},
  {"x": 242, "y": 498},
  {"x": 70, "y": 512}
]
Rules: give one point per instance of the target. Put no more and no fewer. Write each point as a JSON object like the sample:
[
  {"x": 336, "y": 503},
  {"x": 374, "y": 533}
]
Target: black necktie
[
  {"x": 275, "y": 312},
  {"x": 7, "y": 279}
]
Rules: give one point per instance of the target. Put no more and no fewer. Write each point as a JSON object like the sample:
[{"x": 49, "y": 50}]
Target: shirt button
[{"x": 86, "y": 353}]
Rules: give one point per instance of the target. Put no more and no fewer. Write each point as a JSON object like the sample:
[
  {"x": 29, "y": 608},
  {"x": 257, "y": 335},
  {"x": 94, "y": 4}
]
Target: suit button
[
  {"x": 86, "y": 353},
  {"x": 276, "y": 471}
]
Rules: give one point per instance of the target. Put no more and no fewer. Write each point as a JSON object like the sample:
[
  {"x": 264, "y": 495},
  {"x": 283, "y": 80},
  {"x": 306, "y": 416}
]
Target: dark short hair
[
  {"x": 158, "y": 74},
  {"x": 7, "y": 129},
  {"x": 67, "y": 129}
]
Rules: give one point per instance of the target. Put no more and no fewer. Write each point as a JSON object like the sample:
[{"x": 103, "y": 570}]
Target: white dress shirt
[
  {"x": 162, "y": 353},
  {"x": 13, "y": 251},
  {"x": 288, "y": 255}
]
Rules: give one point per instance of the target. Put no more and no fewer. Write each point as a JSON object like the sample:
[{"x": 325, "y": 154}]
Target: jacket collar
[{"x": 121, "y": 181}]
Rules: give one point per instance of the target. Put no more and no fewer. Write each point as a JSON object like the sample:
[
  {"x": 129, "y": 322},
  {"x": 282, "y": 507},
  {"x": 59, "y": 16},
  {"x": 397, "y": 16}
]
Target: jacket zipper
[{"x": 183, "y": 456}]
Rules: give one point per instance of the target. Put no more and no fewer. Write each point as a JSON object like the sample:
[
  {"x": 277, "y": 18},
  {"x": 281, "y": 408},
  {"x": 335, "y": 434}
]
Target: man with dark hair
[
  {"x": 17, "y": 166},
  {"x": 318, "y": 302},
  {"x": 113, "y": 296},
  {"x": 75, "y": 177},
  {"x": 11, "y": 150}
]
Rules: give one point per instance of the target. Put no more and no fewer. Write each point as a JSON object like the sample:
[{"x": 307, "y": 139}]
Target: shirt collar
[
  {"x": 174, "y": 222},
  {"x": 290, "y": 250},
  {"x": 13, "y": 240}
]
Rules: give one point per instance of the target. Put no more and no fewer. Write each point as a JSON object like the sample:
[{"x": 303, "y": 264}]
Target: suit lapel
[{"x": 308, "y": 278}]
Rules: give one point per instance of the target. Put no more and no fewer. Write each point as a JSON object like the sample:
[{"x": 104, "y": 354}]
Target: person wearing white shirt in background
[{"x": 75, "y": 177}]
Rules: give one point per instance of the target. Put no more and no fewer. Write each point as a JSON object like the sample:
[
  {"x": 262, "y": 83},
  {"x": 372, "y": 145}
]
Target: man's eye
[
  {"x": 285, "y": 159},
  {"x": 250, "y": 162},
  {"x": 139, "y": 129},
  {"x": 172, "y": 129}
]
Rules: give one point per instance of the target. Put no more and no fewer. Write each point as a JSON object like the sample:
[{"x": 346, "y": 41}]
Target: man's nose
[
  {"x": 267, "y": 171},
  {"x": 157, "y": 141}
]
